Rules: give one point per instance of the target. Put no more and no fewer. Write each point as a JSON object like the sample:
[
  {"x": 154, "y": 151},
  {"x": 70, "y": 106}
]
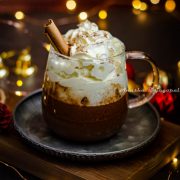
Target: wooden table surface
[{"x": 138, "y": 166}]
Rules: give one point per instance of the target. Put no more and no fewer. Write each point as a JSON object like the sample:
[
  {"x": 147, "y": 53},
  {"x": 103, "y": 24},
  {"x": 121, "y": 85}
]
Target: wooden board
[{"x": 139, "y": 166}]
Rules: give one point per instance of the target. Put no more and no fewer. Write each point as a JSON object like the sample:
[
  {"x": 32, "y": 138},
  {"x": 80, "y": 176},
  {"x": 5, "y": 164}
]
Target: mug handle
[{"x": 144, "y": 98}]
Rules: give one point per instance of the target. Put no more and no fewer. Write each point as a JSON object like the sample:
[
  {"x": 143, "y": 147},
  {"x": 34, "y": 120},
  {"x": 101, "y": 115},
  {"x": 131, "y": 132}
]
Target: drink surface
[{"x": 94, "y": 74}]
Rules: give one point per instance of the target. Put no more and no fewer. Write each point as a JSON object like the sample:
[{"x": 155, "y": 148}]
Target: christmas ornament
[
  {"x": 130, "y": 71},
  {"x": 5, "y": 118},
  {"x": 24, "y": 65},
  {"x": 132, "y": 86},
  {"x": 163, "y": 80},
  {"x": 164, "y": 102}
]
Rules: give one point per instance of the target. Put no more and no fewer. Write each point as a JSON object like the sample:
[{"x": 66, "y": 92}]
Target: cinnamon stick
[{"x": 56, "y": 38}]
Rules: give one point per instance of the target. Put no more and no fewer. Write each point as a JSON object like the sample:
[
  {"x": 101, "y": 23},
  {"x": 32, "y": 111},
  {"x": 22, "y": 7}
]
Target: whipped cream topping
[
  {"x": 95, "y": 69},
  {"x": 88, "y": 39}
]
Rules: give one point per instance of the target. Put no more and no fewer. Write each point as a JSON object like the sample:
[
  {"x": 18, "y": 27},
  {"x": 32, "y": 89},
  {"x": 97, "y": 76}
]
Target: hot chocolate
[
  {"x": 84, "y": 96},
  {"x": 84, "y": 123},
  {"x": 85, "y": 88}
]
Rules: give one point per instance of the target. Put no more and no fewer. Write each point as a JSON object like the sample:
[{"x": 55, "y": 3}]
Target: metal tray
[{"x": 140, "y": 129}]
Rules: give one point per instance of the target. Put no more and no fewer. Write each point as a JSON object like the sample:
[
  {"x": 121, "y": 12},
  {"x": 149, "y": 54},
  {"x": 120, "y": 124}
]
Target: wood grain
[{"x": 139, "y": 166}]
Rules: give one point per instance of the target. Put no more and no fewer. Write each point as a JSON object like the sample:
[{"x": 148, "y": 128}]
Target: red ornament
[
  {"x": 130, "y": 71},
  {"x": 164, "y": 101},
  {"x": 5, "y": 118}
]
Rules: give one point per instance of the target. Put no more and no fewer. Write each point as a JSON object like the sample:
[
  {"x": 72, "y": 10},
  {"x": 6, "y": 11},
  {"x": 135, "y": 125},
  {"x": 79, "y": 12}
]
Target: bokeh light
[
  {"x": 19, "y": 83},
  {"x": 19, "y": 15},
  {"x": 136, "y": 4},
  {"x": 175, "y": 162},
  {"x": 170, "y": 5},
  {"x": 18, "y": 93},
  {"x": 71, "y": 5},
  {"x": 143, "y": 6},
  {"x": 155, "y": 1},
  {"x": 102, "y": 14},
  {"x": 83, "y": 16},
  {"x": 178, "y": 64}
]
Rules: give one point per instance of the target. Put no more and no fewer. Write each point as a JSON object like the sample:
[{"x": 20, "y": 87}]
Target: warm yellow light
[
  {"x": 136, "y": 4},
  {"x": 143, "y": 6},
  {"x": 18, "y": 93},
  {"x": 71, "y": 4},
  {"x": 83, "y": 16},
  {"x": 155, "y": 1},
  {"x": 102, "y": 14},
  {"x": 170, "y": 5},
  {"x": 19, "y": 15},
  {"x": 47, "y": 46},
  {"x": 175, "y": 160},
  {"x": 178, "y": 64},
  {"x": 19, "y": 83}
]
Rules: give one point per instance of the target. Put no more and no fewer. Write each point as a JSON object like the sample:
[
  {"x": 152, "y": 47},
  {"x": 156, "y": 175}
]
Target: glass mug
[{"x": 86, "y": 99}]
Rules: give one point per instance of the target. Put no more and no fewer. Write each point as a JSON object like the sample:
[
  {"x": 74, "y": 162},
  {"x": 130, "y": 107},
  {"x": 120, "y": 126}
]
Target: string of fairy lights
[{"x": 71, "y": 5}]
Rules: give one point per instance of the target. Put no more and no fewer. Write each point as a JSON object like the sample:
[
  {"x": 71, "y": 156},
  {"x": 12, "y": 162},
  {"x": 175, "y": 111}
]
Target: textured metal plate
[{"x": 140, "y": 128}]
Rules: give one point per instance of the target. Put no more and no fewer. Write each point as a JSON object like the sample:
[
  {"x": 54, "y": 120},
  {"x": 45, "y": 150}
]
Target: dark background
[{"x": 154, "y": 31}]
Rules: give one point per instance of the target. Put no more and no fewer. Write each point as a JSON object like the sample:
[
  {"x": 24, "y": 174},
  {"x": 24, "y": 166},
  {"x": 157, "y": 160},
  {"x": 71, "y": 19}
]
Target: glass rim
[{"x": 70, "y": 58}]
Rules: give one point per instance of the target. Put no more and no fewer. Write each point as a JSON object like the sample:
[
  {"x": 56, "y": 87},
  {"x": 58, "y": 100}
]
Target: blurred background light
[
  {"x": 143, "y": 6},
  {"x": 170, "y": 5},
  {"x": 71, "y": 5},
  {"x": 18, "y": 93},
  {"x": 19, "y": 15},
  {"x": 19, "y": 83},
  {"x": 178, "y": 64},
  {"x": 83, "y": 16},
  {"x": 155, "y": 1},
  {"x": 136, "y": 4},
  {"x": 102, "y": 14}
]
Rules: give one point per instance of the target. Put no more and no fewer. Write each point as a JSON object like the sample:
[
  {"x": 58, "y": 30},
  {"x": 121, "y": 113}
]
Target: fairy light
[
  {"x": 155, "y": 1},
  {"x": 83, "y": 16},
  {"x": 19, "y": 83},
  {"x": 170, "y": 5},
  {"x": 136, "y": 4},
  {"x": 71, "y": 5},
  {"x": 102, "y": 14},
  {"x": 18, "y": 93},
  {"x": 19, "y": 15},
  {"x": 143, "y": 7},
  {"x": 178, "y": 64},
  {"x": 175, "y": 160}
]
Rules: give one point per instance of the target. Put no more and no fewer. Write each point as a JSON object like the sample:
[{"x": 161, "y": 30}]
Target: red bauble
[
  {"x": 130, "y": 71},
  {"x": 5, "y": 118},
  {"x": 164, "y": 101}
]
